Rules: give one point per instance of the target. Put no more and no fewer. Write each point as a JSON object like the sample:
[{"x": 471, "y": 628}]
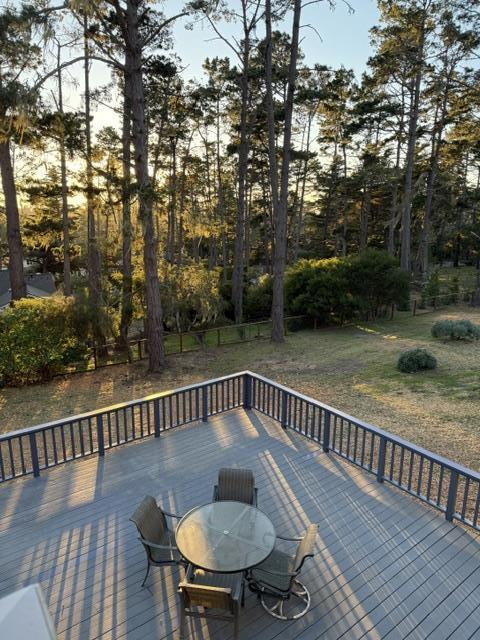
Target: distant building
[{"x": 39, "y": 285}]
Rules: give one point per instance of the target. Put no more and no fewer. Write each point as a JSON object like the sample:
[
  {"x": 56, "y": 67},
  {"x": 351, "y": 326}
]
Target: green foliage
[
  {"x": 190, "y": 295},
  {"x": 37, "y": 338},
  {"x": 319, "y": 289},
  {"x": 416, "y": 360},
  {"x": 344, "y": 288},
  {"x": 456, "y": 330},
  {"x": 258, "y": 299},
  {"x": 431, "y": 288},
  {"x": 375, "y": 281}
]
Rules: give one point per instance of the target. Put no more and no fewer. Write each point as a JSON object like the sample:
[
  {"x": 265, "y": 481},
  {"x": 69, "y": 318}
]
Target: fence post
[
  {"x": 434, "y": 302},
  {"x": 205, "y": 404},
  {"x": 95, "y": 364},
  {"x": 140, "y": 355},
  {"x": 392, "y": 314},
  {"x": 381, "y": 459},
  {"x": 326, "y": 432},
  {"x": 34, "y": 454},
  {"x": 218, "y": 338},
  {"x": 181, "y": 342},
  {"x": 156, "y": 417},
  {"x": 100, "y": 440},
  {"x": 284, "y": 415},
  {"x": 415, "y": 307},
  {"x": 452, "y": 496},
  {"x": 247, "y": 391}
]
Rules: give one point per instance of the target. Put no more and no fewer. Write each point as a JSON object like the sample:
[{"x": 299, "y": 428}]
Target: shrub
[
  {"x": 431, "y": 288},
  {"x": 416, "y": 360},
  {"x": 258, "y": 299},
  {"x": 376, "y": 281},
  {"x": 37, "y": 338},
  {"x": 344, "y": 288},
  {"x": 456, "y": 330},
  {"x": 319, "y": 289}
]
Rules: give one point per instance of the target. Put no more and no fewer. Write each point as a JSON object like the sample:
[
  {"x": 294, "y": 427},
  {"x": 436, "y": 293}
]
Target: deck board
[{"x": 386, "y": 566}]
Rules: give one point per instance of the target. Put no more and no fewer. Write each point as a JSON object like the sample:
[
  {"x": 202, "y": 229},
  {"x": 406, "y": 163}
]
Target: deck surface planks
[{"x": 386, "y": 566}]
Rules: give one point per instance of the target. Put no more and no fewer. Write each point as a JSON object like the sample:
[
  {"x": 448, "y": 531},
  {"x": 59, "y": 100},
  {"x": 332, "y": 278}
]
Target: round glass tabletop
[{"x": 225, "y": 537}]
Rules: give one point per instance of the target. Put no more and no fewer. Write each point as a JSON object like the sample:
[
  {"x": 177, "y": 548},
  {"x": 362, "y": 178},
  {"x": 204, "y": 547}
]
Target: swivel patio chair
[
  {"x": 157, "y": 539},
  {"x": 211, "y": 596},
  {"x": 276, "y": 581},
  {"x": 236, "y": 484}
]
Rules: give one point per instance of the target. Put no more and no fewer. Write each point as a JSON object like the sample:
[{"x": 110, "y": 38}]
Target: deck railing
[{"x": 437, "y": 481}]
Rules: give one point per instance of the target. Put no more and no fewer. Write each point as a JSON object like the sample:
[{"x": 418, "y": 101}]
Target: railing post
[
  {"x": 34, "y": 454},
  {"x": 452, "y": 496},
  {"x": 326, "y": 432},
  {"x": 205, "y": 404},
  {"x": 218, "y": 338},
  {"x": 381, "y": 459},
  {"x": 284, "y": 414},
  {"x": 156, "y": 417},
  {"x": 247, "y": 391},
  {"x": 392, "y": 313},
  {"x": 415, "y": 306},
  {"x": 100, "y": 440}
]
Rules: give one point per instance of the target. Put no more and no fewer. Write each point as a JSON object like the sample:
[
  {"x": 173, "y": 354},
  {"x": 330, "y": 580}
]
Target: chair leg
[
  {"x": 235, "y": 627},
  {"x": 146, "y": 575},
  {"x": 243, "y": 592},
  {"x": 183, "y": 622}
]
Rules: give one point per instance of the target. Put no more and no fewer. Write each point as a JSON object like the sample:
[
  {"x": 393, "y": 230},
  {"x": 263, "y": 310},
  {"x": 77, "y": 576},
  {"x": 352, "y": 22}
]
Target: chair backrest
[
  {"x": 236, "y": 484},
  {"x": 305, "y": 547},
  {"x": 197, "y": 595},
  {"x": 150, "y": 520}
]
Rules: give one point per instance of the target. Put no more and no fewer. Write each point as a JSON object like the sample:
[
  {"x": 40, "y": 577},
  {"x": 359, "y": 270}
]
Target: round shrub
[
  {"x": 38, "y": 337},
  {"x": 416, "y": 360},
  {"x": 456, "y": 330}
]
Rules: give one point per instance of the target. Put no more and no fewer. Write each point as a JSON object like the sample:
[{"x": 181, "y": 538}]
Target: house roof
[{"x": 39, "y": 285}]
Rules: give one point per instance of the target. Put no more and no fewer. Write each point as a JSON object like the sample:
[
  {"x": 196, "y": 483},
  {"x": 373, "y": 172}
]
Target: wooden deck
[{"x": 386, "y": 566}]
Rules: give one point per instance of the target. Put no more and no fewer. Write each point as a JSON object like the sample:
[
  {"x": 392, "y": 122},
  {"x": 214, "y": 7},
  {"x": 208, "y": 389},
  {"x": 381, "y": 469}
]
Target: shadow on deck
[{"x": 386, "y": 566}]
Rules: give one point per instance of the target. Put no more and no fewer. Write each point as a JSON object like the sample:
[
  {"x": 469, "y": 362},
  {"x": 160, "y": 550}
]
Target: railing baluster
[
  {"x": 100, "y": 440},
  {"x": 156, "y": 417},
  {"x": 452, "y": 496},
  {"x": 326, "y": 432},
  {"x": 34, "y": 454},
  {"x": 381, "y": 458}
]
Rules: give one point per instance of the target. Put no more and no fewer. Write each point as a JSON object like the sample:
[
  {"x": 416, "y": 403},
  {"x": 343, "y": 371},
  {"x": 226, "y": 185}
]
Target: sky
[{"x": 344, "y": 36}]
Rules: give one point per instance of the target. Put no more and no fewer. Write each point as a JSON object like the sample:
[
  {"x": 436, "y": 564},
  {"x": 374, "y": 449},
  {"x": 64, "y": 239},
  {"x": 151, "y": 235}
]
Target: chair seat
[
  {"x": 223, "y": 580},
  {"x": 163, "y": 555},
  {"x": 278, "y": 562}
]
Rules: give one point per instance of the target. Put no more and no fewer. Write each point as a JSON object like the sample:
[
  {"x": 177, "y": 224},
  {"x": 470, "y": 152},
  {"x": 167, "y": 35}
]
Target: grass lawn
[{"x": 352, "y": 368}]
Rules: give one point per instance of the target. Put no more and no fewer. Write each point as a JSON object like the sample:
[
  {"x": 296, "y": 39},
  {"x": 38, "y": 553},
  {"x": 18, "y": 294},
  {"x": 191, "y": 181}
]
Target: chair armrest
[
  {"x": 157, "y": 546},
  {"x": 172, "y": 515},
  {"x": 288, "y": 574},
  {"x": 237, "y": 592},
  {"x": 290, "y": 539}
]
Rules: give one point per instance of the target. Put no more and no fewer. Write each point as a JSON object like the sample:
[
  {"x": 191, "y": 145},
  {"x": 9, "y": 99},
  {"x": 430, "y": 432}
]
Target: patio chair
[
  {"x": 236, "y": 484},
  {"x": 276, "y": 581},
  {"x": 157, "y": 539},
  {"x": 214, "y": 596}
]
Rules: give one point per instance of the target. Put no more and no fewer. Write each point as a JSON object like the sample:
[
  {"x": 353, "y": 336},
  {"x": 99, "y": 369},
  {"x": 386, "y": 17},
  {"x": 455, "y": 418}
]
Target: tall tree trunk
[
  {"x": 172, "y": 209},
  {"x": 280, "y": 249},
  {"x": 239, "y": 244},
  {"x": 67, "y": 280},
  {"x": 416, "y": 84},
  {"x": 14, "y": 239},
  {"x": 93, "y": 254},
  {"x": 127, "y": 280},
  {"x": 154, "y": 320}
]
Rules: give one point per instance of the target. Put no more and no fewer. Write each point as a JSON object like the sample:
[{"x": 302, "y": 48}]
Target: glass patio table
[{"x": 225, "y": 537}]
